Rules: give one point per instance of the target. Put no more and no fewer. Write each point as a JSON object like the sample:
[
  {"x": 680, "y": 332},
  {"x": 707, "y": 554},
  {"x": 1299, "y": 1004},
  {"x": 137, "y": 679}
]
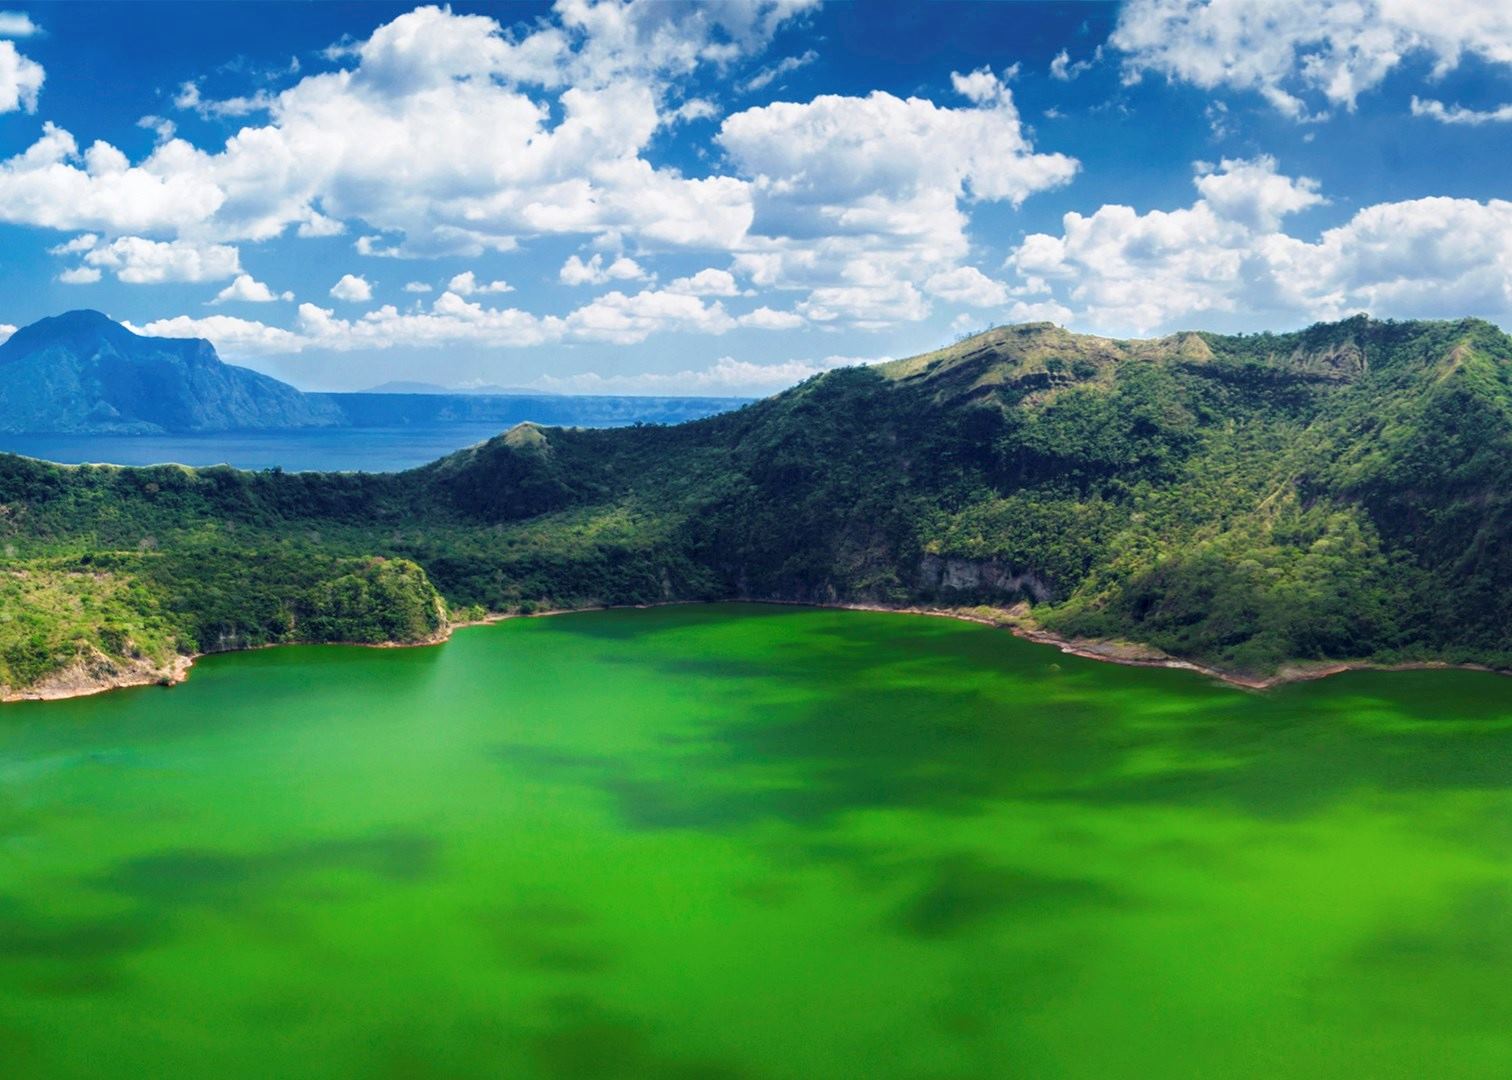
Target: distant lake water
[
  {"x": 385, "y": 432},
  {"x": 315, "y": 449},
  {"x": 755, "y": 842}
]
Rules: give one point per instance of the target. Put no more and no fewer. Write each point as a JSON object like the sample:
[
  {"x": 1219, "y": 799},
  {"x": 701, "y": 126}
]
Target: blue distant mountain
[
  {"x": 403, "y": 386},
  {"x": 81, "y": 372}
]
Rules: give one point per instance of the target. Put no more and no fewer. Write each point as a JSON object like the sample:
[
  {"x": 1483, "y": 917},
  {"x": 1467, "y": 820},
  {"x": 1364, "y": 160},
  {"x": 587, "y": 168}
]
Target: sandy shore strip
[{"x": 78, "y": 681}]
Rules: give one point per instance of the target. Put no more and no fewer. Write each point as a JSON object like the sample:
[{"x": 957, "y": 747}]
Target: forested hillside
[{"x": 1244, "y": 501}]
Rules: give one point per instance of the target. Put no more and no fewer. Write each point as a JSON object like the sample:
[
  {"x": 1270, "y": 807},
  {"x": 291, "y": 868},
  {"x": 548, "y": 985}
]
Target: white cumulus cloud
[
  {"x": 710, "y": 282},
  {"x": 20, "y": 80},
  {"x": 353, "y": 289},
  {"x": 765, "y": 318},
  {"x": 247, "y": 289},
  {"x": 451, "y": 319},
  {"x": 1458, "y": 114},
  {"x": 139, "y": 261},
  {"x": 858, "y": 198},
  {"x": 967, "y": 285},
  {"x": 1293, "y": 51},
  {"x": 232, "y": 337},
  {"x": 1118, "y": 270},
  {"x": 467, "y": 283},
  {"x": 628, "y": 319},
  {"x": 17, "y": 24},
  {"x": 726, "y": 376},
  {"x": 594, "y": 272},
  {"x": 447, "y": 134}
]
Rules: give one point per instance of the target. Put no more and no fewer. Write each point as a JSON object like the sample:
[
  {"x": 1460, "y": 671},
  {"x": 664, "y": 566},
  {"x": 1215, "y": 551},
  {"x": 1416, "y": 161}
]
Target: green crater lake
[{"x": 755, "y": 842}]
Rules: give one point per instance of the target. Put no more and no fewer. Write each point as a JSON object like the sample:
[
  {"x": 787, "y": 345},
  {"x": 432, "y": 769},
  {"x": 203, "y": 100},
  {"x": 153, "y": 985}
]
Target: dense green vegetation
[{"x": 1337, "y": 493}]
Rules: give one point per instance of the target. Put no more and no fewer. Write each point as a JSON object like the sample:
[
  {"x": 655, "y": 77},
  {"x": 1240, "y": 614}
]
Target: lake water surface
[
  {"x": 308, "y": 450},
  {"x": 752, "y": 842}
]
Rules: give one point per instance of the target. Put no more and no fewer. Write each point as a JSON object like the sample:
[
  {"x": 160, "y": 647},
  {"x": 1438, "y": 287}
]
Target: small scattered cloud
[
  {"x": 17, "y": 24},
  {"x": 316, "y": 224},
  {"x": 1458, "y": 114},
  {"x": 76, "y": 246},
  {"x": 1064, "y": 69},
  {"x": 1220, "y": 122},
  {"x": 247, "y": 289},
  {"x": 160, "y": 126},
  {"x": 765, "y": 318},
  {"x": 710, "y": 282},
  {"x": 353, "y": 289},
  {"x": 79, "y": 275},
  {"x": 190, "y": 99},
  {"x": 772, "y": 72},
  {"x": 467, "y": 284},
  {"x": 20, "y": 80},
  {"x": 982, "y": 87},
  {"x": 594, "y": 272},
  {"x": 694, "y": 109}
]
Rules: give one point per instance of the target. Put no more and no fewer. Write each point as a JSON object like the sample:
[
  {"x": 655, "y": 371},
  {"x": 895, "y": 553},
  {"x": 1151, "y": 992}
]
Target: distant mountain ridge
[
  {"x": 82, "y": 372},
  {"x": 406, "y": 386}
]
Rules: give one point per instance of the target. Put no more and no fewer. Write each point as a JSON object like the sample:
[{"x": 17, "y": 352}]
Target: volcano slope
[{"x": 1245, "y": 502}]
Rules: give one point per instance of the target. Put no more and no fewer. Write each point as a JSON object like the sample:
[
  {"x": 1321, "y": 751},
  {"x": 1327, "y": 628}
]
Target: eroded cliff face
[
  {"x": 937, "y": 579},
  {"x": 94, "y": 672},
  {"x": 951, "y": 577}
]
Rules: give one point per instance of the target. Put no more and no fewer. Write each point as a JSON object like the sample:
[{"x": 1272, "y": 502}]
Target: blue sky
[{"x": 727, "y": 197}]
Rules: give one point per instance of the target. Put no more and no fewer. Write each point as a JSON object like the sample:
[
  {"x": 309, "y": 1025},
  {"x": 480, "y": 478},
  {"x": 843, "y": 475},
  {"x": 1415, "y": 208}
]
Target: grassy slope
[{"x": 1338, "y": 493}]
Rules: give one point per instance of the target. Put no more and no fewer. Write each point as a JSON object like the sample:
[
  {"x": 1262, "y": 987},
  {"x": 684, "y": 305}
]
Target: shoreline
[
  {"x": 178, "y": 671},
  {"x": 1126, "y": 653},
  {"x": 1138, "y": 654}
]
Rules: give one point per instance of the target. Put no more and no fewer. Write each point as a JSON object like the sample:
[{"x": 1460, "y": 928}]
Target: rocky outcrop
[
  {"x": 94, "y": 672},
  {"x": 952, "y": 577}
]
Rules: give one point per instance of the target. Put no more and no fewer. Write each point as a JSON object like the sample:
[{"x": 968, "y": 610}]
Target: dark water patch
[
  {"x": 553, "y": 938},
  {"x": 1280, "y": 764},
  {"x": 943, "y": 749},
  {"x": 230, "y": 880},
  {"x": 961, "y": 892},
  {"x": 18, "y": 1047},
  {"x": 29, "y": 934},
  {"x": 987, "y": 1004},
  {"x": 53, "y": 953},
  {"x": 1451, "y": 972},
  {"x": 557, "y": 957},
  {"x": 769, "y": 891},
  {"x": 584, "y": 1040},
  {"x": 546, "y": 914},
  {"x": 549, "y": 761}
]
